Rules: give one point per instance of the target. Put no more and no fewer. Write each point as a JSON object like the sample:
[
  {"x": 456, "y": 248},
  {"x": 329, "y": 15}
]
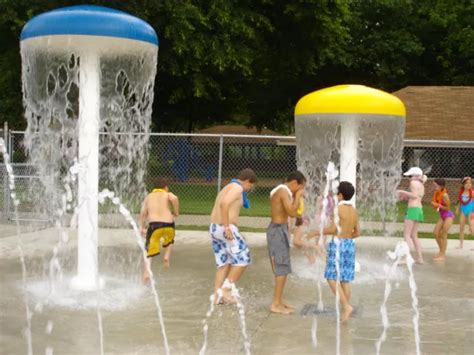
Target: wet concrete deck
[{"x": 130, "y": 323}]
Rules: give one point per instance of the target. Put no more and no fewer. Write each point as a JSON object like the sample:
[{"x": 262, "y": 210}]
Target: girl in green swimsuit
[{"x": 414, "y": 213}]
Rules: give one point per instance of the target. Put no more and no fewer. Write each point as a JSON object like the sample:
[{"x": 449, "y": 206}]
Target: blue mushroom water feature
[{"x": 87, "y": 70}]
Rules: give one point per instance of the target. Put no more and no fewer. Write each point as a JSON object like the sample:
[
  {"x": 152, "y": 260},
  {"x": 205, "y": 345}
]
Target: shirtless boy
[
  {"x": 348, "y": 230},
  {"x": 156, "y": 213},
  {"x": 285, "y": 200},
  {"x": 230, "y": 247}
]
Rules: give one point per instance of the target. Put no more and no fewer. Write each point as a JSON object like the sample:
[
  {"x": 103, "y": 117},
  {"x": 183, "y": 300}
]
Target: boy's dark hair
[
  {"x": 346, "y": 189},
  {"x": 248, "y": 174},
  {"x": 297, "y": 176},
  {"x": 161, "y": 183},
  {"x": 440, "y": 182}
]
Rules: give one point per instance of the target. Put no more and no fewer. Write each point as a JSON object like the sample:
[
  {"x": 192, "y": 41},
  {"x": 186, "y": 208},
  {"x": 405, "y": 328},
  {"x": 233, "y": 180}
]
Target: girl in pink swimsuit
[{"x": 441, "y": 202}]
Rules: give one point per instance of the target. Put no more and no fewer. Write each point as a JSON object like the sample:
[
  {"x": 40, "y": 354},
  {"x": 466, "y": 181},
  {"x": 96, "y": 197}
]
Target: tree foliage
[{"x": 249, "y": 61}]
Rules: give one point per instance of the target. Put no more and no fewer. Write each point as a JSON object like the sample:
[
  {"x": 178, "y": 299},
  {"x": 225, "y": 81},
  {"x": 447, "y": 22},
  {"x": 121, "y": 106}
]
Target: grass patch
[{"x": 199, "y": 200}]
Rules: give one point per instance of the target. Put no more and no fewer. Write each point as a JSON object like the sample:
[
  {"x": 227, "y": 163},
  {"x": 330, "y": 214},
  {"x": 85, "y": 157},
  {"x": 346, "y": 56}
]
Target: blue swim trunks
[
  {"x": 234, "y": 252},
  {"x": 346, "y": 260}
]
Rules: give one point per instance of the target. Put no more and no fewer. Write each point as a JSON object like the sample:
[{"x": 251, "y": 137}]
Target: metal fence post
[
  {"x": 219, "y": 172},
  {"x": 6, "y": 188}
]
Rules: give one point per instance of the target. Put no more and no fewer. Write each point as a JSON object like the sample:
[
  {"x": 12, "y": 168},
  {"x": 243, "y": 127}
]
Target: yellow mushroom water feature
[{"x": 361, "y": 130}]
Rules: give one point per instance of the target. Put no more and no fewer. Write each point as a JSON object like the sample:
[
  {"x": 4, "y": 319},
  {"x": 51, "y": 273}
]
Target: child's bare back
[{"x": 348, "y": 221}]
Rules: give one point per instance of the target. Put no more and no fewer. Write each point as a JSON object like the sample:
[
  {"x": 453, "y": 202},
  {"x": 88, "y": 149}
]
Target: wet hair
[
  {"x": 296, "y": 176},
  {"x": 346, "y": 189},
  {"x": 161, "y": 183},
  {"x": 440, "y": 182},
  {"x": 248, "y": 174}
]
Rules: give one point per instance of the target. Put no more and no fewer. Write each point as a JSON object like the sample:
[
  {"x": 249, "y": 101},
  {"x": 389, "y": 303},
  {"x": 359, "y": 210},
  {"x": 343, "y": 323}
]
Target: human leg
[
  {"x": 146, "y": 271},
  {"x": 471, "y": 222},
  {"x": 438, "y": 236},
  {"x": 346, "y": 288},
  {"x": 462, "y": 224},
  {"x": 408, "y": 225},
  {"x": 221, "y": 275},
  {"x": 347, "y": 308},
  {"x": 417, "y": 243},
  {"x": 444, "y": 238},
  {"x": 167, "y": 256},
  {"x": 277, "y": 305},
  {"x": 407, "y": 231}
]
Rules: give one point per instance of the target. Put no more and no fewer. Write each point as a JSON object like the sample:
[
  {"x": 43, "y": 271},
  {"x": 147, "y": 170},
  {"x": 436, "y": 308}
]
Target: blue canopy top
[{"x": 89, "y": 20}]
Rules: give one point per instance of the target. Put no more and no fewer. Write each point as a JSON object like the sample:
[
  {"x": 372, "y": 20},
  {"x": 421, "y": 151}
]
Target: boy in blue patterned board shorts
[
  {"x": 342, "y": 267},
  {"x": 230, "y": 248}
]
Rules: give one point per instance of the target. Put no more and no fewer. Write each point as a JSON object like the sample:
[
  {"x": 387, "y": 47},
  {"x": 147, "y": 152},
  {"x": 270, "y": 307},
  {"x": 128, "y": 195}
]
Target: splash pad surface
[{"x": 130, "y": 323}]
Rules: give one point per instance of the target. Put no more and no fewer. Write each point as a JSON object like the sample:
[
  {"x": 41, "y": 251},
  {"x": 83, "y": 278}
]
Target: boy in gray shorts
[{"x": 284, "y": 203}]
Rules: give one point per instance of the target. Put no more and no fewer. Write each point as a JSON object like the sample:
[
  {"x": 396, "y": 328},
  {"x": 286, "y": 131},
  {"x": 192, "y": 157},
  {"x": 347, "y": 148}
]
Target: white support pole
[
  {"x": 348, "y": 163},
  {"x": 89, "y": 118}
]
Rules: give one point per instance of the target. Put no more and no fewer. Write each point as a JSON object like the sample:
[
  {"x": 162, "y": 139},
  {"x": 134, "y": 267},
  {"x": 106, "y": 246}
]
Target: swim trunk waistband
[{"x": 157, "y": 224}]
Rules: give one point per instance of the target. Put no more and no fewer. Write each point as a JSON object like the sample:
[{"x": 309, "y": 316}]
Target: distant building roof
[
  {"x": 439, "y": 112},
  {"x": 238, "y": 129}
]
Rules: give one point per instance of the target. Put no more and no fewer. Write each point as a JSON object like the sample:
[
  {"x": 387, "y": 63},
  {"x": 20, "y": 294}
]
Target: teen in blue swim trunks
[
  {"x": 230, "y": 248},
  {"x": 466, "y": 207},
  {"x": 344, "y": 242}
]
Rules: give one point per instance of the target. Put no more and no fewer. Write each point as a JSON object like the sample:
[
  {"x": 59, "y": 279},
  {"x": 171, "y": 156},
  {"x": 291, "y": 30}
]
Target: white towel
[{"x": 282, "y": 186}]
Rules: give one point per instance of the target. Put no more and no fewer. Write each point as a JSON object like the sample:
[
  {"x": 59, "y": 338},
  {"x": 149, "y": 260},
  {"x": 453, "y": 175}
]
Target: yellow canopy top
[{"x": 358, "y": 99}]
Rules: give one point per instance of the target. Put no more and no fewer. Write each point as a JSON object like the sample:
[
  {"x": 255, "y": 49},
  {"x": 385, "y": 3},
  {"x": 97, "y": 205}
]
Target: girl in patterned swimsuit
[
  {"x": 466, "y": 207},
  {"x": 441, "y": 202}
]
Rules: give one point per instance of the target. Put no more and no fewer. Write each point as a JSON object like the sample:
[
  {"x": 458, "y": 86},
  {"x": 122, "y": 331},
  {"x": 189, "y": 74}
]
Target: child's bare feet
[
  {"x": 419, "y": 261},
  {"x": 227, "y": 298},
  {"x": 280, "y": 309},
  {"x": 439, "y": 258},
  {"x": 166, "y": 263},
  {"x": 436, "y": 256},
  {"x": 346, "y": 313},
  {"x": 287, "y": 305}
]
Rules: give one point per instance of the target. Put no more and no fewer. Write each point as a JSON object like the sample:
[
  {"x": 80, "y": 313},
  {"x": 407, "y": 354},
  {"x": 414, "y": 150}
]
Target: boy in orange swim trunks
[{"x": 157, "y": 214}]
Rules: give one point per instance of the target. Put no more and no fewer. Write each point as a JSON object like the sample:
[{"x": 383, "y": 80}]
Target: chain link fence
[{"x": 197, "y": 166}]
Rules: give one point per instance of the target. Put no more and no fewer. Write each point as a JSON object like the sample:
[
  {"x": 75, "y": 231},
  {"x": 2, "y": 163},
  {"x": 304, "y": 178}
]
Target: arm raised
[{"x": 291, "y": 207}]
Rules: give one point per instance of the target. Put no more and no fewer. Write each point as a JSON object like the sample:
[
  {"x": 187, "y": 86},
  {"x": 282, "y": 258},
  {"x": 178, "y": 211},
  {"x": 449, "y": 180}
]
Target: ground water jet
[
  {"x": 11, "y": 182},
  {"x": 215, "y": 299}
]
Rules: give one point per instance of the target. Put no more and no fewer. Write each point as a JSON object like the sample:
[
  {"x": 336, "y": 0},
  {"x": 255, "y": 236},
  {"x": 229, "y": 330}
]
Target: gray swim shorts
[{"x": 279, "y": 248}]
